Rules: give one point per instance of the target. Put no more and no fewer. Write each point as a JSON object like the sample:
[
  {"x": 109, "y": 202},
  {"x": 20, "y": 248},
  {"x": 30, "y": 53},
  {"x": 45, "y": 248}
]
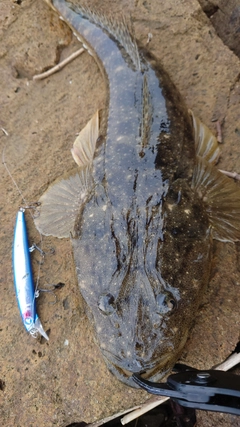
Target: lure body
[{"x": 23, "y": 278}]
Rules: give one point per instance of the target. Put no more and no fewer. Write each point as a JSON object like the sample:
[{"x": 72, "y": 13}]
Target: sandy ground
[{"x": 65, "y": 380}]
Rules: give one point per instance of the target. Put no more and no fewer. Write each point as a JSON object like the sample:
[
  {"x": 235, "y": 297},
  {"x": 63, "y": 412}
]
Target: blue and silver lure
[{"x": 23, "y": 278}]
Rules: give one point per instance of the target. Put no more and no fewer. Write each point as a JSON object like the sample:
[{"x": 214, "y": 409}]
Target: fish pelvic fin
[
  {"x": 84, "y": 145},
  {"x": 221, "y": 196},
  {"x": 205, "y": 142}
]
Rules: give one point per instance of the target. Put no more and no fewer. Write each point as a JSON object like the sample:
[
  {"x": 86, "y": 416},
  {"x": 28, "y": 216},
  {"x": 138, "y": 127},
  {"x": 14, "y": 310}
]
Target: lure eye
[
  {"x": 106, "y": 303},
  {"x": 166, "y": 303}
]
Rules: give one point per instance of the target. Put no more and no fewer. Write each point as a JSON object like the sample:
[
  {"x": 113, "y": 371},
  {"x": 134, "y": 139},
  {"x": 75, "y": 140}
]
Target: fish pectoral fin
[
  {"x": 61, "y": 203},
  {"x": 205, "y": 142},
  {"x": 221, "y": 196},
  {"x": 85, "y": 144}
]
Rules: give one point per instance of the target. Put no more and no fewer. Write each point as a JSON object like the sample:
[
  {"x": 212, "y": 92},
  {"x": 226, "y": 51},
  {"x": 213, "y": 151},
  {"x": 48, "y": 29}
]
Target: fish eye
[
  {"x": 106, "y": 303},
  {"x": 175, "y": 231},
  {"x": 166, "y": 303}
]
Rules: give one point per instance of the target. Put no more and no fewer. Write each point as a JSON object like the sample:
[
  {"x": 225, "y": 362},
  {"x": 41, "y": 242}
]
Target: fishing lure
[{"x": 23, "y": 278}]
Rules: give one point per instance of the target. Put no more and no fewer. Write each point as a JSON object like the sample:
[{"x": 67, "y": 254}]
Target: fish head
[
  {"x": 143, "y": 318},
  {"x": 132, "y": 331}
]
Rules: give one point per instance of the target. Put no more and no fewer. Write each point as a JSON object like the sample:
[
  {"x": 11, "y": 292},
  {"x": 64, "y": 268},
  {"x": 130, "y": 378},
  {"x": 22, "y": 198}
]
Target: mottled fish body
[{"x": 144, "y": 206}]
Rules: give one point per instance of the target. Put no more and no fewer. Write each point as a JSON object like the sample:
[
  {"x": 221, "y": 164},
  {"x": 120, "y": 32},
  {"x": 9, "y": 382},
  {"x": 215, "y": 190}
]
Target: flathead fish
[{"x": 144, "y": 206}]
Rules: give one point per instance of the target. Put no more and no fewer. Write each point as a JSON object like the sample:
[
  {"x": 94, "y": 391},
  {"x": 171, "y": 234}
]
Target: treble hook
[{"x": 52, "y": 291}]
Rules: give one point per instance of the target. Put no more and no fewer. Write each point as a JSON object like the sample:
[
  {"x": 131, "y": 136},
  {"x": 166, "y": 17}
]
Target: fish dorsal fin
[
  {"x": 205, "y": 142},
  {"x": 117, "y": 26},
  {"x": 221, "y": 196},
  {"x": 84, "y": 145},
  {"x": 61, "y": 203}
]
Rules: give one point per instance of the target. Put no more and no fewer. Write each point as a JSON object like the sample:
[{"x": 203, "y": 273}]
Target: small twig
[
  {"x": 231, "y": 361},
  {"x": 219, "y": 132},
  {"x": 150, "y": 36},
  {"x": 5, "y": 132},
  {"x": 112, "y": 417},
  {"x": 233, "y": 175},
  {"x": 147, "y": 406},
  {"x": 59, "y": 66}
]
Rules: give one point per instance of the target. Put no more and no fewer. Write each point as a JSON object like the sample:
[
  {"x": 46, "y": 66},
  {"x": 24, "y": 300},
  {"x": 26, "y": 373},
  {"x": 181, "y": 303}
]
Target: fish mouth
[
  {"x": 157, "y": 370},
  {"x": 153, "y": 370}
]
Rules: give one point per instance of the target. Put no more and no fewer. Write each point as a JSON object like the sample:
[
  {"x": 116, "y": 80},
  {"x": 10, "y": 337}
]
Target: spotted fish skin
[{"x": 142, "y": 237}]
